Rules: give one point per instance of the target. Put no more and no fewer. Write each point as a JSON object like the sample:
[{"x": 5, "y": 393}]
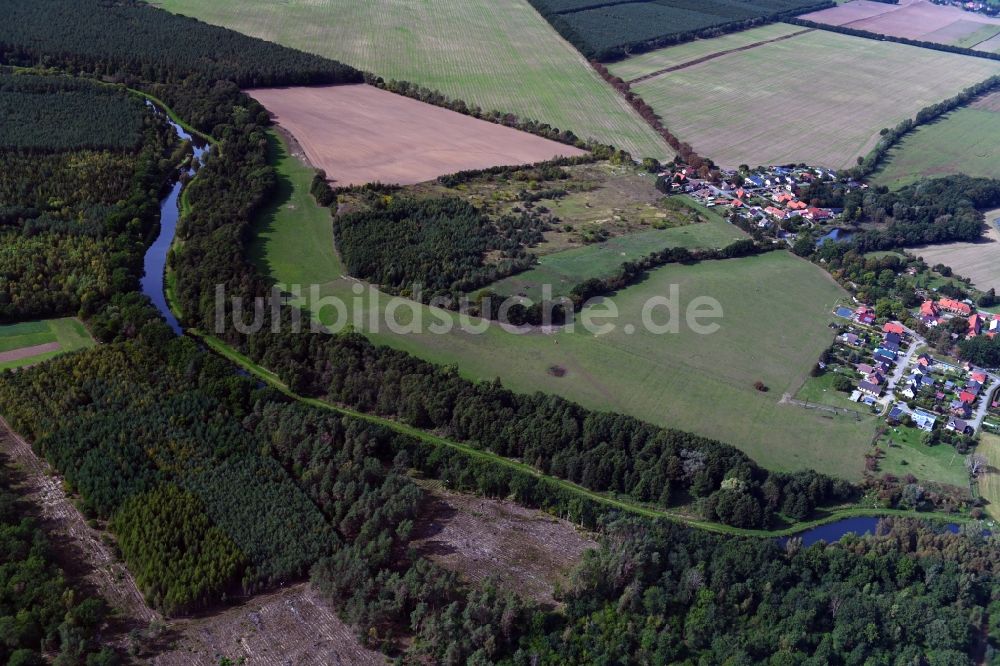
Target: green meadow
[{"x": 775, "y": 311}]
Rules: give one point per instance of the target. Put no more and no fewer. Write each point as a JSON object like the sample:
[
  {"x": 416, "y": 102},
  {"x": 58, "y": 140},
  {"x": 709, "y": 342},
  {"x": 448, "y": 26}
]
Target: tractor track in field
[{"x": 713, "y": 56}]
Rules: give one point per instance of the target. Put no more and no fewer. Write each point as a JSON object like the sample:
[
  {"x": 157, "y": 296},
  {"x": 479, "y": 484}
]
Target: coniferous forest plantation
[{"x": 220, "y": 466}]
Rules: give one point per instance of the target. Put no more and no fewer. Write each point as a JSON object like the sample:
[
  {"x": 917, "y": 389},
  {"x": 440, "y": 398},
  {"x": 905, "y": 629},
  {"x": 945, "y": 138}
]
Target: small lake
[
  {"x": 155, "y": 262},
  {"x": 836, "y": 235},
  {"x": 859, "y": 525}
]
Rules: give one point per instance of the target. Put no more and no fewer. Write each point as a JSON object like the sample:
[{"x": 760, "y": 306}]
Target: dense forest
[
  {"x": 609, "y": 30},
  {"x": 435, "y": 248},
  {"x": 40, "y": 612},
  {"x": 128, "y": 38},
  {"x": 663, "y": 594},
  {"x": 55, "y": 113},
  {"x": 74, "y": 221}
]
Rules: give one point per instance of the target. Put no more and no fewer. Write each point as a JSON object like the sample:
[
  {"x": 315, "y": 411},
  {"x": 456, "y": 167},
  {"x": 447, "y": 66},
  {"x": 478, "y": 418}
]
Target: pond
[
  {"x": 834, "y": 531},
  {"x": 837, "y": 235},
  {"x": 155, "y": 262}
]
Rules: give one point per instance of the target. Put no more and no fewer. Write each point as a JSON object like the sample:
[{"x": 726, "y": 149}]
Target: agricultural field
[
  {"x": 836, "y": 93},
  {"x": 359, "y": 134},
  {"x": 36, "y": 341},
  {"x": 920, "y": 20},
  {"x": 609, "y": 30},
  {"x": 979, "y": 261},
  {"x": 647, "y": 64},
  {"x": 497, "y": 55},
  {"x": 775, "y": 307},
  {"x": 563, "y": 270},
  {"x": 989, "y": 483},
  {"x": 963, "y": 141}
]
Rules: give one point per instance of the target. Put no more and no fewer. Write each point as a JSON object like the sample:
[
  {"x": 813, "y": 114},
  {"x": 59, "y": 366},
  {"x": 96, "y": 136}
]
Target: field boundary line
[{"x": 713, "y": 56}]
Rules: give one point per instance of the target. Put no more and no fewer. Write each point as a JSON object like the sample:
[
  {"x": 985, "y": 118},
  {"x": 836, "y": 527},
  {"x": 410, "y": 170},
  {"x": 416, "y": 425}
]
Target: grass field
[
  {"x": 775, "y": 312},
  {"x": 906, "y": 454},
  {"x": 964, "y": 141},
  {"x": 818, "y": 97},
  {"x": 32, "y": 342},
  {"x": 989, "y": 484},
  {"x": 499, "y": 55},
  {"x": 563, "y": 270},
  {"x": 652, "y": 61}
]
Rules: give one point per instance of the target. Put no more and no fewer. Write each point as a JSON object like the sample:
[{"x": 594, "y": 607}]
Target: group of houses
[
  {"x": 940, "y": 392},
  {"x": 978, "y": 6},
  {"x": 763, "y": 198},
  {"x": 933, "y": 313}
]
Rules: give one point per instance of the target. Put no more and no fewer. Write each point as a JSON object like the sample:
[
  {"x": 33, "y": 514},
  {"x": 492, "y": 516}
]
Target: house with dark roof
[
  {"x": 870, "y": 388},
  {"x": 958, "y": 425}
]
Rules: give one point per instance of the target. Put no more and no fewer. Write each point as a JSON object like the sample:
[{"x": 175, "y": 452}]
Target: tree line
[
  {"x": 640, "y": 26},
  {"x": 870, "y": 163},
  {"x": 855, "y": 32}
]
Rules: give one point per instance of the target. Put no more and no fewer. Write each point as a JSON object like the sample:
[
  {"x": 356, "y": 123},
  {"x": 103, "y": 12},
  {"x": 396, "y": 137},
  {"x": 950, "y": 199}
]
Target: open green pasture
[{"x": 775, "y": 310}]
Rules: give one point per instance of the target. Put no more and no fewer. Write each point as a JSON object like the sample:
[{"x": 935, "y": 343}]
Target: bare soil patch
[
  {"x": 359, "y": 134},
  {"x": 28, "y": 352},
  {"x": 81, "y": 550},
  {"x": 528, "y": 550},
  {"x": 289, "y": 626}
]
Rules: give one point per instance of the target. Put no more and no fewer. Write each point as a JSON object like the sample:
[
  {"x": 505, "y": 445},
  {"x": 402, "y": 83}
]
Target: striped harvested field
[
  {"x": 498, "y": 55},
  {"x": 816, "y": 97}
]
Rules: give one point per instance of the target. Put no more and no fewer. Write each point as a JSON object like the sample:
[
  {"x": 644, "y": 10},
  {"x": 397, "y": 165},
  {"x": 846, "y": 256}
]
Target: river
[{"x": 155, "y": 262}]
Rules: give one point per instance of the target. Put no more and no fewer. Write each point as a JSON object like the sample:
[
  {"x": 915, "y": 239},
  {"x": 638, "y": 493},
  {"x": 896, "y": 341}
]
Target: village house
[
  {"x": 868, "y": 388},
  {"x": 893, "y": 328},
  {"x": 958, "y": 425},
  {"x": 955, "y": 307}
]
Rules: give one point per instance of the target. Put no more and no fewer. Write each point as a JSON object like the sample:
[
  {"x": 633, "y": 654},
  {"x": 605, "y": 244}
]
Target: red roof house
[
  {"x": 951, "y": 305},
  {"x": 979, "y": 377},
  {"x": 975, "y": 325},
  {"x": 893, "y": 327},
  {"x": 966, "y": 397},
  {"x": 929, "y": 309}
]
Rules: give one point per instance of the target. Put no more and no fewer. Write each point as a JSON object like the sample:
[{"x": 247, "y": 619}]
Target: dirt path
[
  {"x": 28, "y": 352},
  {"x": 290, "y": 626},
  {"x": 80, "y": 549},
  {"x": 713, "y": 56}
]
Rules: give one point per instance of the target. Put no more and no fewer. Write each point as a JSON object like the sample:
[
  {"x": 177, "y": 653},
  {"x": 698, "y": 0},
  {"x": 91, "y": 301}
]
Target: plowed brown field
[{"x": 359, "y": 134}]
